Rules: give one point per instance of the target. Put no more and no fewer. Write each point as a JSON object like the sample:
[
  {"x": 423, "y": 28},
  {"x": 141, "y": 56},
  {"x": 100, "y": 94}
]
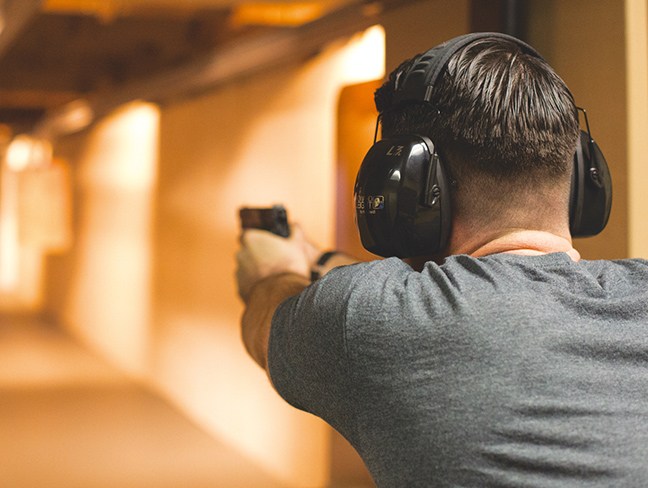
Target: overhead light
[
  {"x": 68, "y": 119},
  {"x": 28, "y": 152},
  {"x": 75, "y": 116},
  {"x": 106, "y": 10},
  {"x": 283, "y": 14}
]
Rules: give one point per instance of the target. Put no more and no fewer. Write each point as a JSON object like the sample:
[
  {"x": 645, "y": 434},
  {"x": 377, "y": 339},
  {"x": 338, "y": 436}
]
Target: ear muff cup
[
  {"x": 402, "y": 198},
  {"x": 591, "y": 190}
]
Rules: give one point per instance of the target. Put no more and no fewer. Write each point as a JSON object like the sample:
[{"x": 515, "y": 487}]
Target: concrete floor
[{"x": 68, "y": 420}]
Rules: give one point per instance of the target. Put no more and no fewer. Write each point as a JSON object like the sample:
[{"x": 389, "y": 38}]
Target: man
[{"x": 513, "y": 363}]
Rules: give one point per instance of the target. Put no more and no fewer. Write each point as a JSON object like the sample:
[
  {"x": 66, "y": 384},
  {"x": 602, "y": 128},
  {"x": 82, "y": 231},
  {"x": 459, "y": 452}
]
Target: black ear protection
[
  {"x": 402, "y": 190},
  {"x": 590, "y": 200}
]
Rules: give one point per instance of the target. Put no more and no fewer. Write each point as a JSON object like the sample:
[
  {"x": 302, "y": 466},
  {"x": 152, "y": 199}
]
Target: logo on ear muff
[
  {"x": 376, "y": 202},
  {"x": 395, "y": 150}
]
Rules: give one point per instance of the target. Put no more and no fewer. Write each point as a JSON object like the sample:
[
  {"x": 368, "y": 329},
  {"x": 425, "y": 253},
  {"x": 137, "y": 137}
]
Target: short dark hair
[{"x": 496, "y": 112}]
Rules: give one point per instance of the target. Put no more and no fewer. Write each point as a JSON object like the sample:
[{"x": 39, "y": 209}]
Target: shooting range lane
[{"x": 68, "y": 419}]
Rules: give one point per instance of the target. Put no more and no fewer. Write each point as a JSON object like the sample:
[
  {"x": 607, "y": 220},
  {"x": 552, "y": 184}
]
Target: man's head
[{"x": 505, "y": 125}]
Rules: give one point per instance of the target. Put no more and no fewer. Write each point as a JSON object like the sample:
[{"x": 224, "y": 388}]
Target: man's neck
[{"x": 515, "y": 241}]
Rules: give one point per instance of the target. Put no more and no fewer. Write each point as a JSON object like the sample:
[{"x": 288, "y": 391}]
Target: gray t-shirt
[{"x": 501, "y": 371}]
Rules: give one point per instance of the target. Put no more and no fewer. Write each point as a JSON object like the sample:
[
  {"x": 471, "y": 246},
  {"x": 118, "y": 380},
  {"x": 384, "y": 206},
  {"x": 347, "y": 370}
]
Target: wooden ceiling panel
[
  {"x": 62, "y": 50},
  {"x": 79, "y": 53},
  {"x": 83, "y": 54}
]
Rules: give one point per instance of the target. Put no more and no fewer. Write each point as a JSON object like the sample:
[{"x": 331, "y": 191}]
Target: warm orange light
[
  {"x": 109, "y": 300},
  {"x": 73, "y": 117},
  {"x": 28, "y": 152},
  {"x": 636, "y": 77},
  {"x": 45, "y": 208},
  {"x": 104, "y": 9},
  {"x": 364, "y": 58},
  {"x": 9, "y": 247},
  {"x": 280, "y": 14},
  {"x": 3, "y": 23}
]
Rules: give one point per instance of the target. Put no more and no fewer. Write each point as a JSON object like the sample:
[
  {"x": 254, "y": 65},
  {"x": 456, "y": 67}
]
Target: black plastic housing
[{"x": 401, "y": 199}]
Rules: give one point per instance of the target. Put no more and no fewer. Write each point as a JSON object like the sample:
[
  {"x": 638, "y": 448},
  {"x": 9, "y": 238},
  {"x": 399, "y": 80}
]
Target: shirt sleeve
[
  {"x": 313, "y": 347},
  {"x": 307, "y": 353}
]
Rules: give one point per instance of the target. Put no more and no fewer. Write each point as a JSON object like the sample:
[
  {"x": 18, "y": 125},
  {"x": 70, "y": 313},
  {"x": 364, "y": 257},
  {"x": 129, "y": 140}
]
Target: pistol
[{"x": 273, "y": 219}]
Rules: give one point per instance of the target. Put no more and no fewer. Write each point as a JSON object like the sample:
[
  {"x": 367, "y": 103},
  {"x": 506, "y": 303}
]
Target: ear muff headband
[{"x": 417, "y": 83}]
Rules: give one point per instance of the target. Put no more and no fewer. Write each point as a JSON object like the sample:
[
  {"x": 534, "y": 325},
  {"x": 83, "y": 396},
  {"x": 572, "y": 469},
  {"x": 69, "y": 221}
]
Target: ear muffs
[
  {"x": 402, "y": 191},
  {"x": 591, "y": 189},
  {"x": 402, "y": 198}
]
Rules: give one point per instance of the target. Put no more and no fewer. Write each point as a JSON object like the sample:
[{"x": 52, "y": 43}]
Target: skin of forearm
[{"x": 260, "y": 305}]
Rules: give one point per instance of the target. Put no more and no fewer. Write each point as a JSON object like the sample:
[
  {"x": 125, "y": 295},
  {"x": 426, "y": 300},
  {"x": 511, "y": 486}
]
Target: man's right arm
[
  {"x": 261, "y": 304},
  {"x": 270, "y": 270},
  {"x": 263, "y": 300}
]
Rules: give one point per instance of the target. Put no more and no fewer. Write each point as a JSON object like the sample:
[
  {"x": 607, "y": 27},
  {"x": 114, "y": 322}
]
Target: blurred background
[{"x": 130, "y": 133}]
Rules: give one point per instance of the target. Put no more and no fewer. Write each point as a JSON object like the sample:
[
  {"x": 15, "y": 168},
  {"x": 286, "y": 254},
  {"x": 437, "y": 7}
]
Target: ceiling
[{"x": 53, "y": 52}]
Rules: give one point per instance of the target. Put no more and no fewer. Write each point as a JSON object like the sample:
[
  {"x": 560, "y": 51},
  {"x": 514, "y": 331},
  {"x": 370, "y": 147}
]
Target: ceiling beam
[
  {"x": 95, "y": 7},
  {"x": 110, "y": 9},
  {"x": 244, "y": 58},
  {"x": 35, "y": 99},
  {"x": 15, "y": 15}
]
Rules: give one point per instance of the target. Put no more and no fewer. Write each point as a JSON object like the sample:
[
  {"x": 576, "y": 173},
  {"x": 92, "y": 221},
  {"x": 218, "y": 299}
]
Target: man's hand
[
  {"x": 263, "y": 254},
  {"x": 270, "y": 269}
]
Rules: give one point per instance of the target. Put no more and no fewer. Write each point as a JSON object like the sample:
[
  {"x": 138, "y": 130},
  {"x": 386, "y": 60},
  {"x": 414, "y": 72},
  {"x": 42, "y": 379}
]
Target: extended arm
[
  {"x": 270, "y": 270},
  {"x": 264, "y": 298}
]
